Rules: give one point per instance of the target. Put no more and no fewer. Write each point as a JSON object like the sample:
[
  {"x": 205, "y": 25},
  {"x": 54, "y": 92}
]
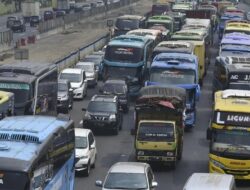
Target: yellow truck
[
  {"x": 229, "y": 134},
  {"x": 159, "y": 113},
  {"x": 6, "y": 104}
]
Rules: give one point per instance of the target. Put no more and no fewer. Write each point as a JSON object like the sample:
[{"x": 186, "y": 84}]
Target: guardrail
[
  {"x": 76, "y": 17},
  {"x": 72, "y": 58}
]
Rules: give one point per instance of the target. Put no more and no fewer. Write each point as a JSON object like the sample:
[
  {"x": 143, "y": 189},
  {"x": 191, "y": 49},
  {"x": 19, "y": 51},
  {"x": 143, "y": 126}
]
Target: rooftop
[{"x": 129, "y": 167}]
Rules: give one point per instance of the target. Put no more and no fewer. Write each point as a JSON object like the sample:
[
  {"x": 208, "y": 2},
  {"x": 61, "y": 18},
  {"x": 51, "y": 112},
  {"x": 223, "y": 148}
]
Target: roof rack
[{"x": 235, "y": 93}]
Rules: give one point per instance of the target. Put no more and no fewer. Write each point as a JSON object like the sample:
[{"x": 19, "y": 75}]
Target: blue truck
[{"x": 180, "y": 70}]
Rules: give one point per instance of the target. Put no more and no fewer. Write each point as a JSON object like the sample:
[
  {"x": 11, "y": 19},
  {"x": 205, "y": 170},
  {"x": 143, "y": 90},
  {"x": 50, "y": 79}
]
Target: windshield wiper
[{"x": 234, "y": 145}]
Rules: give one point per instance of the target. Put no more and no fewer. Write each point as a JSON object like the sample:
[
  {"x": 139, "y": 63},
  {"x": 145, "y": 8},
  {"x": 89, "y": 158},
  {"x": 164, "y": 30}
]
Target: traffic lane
[{"x": 111, "y": 149}]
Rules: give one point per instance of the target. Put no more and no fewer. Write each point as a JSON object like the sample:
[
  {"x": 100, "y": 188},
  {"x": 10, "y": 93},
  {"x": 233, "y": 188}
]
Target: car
[
  {"x": 91, "y": 73},
  {"x": 77, "y": 79},
  {"x": 102, "y": 113},
  {"x": 10, "y": 21},
  {"x": 207, "y": 181},
  {"x": 35, "y": 20},
  {"x": 129, "y": 175},
  {"x": 99, "y": 4},
  {"x": 97, "y": 59},
  {"x": 48, "y": 15},
  {"x": 60, "y": 13},
  {"x": 85, "y": 151},
  {"x": 64, "y": 96},
  {"x": 119, "y": 88},
  {"x": 18, "y": 25},
  {"x": 86, "y": 7}
]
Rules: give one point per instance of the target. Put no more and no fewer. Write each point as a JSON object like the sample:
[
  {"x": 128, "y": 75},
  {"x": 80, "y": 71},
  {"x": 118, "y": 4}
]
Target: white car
[
  {"x": 129, "y": 175},
  {"x": 78, "y": 81},
  {"x": 85, "y": 150},
  {"x": 91, "y": 73}
]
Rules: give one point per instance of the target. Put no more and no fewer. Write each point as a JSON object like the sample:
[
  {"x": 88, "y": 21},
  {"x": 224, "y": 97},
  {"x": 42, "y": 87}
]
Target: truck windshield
[
  {"x": 239, "y": 86},
  {"x": 127, "y": 24},
  {"x": 239, "y": 31},
  {"x": 231, "y": 141},
  {"x": 21, "y": 91},
  {"x": 159, "y": 132},
  {"x": 124, "y": 54},
  {"x": 7, "y": 178},
  {"x": 172, "y": 76}
]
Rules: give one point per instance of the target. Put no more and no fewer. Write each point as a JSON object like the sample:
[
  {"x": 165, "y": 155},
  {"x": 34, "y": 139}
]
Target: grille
[
  {"x": 99, "y": 118},
  {"x": 155, "y": 153},
  {"x": 237, "y": 172}
]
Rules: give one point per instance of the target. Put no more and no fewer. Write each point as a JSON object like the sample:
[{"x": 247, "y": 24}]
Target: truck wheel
[
  {"x": 179, "y": 154},
  {"x": 116, "y": 130},
  {"x": 173, "y": 165}
]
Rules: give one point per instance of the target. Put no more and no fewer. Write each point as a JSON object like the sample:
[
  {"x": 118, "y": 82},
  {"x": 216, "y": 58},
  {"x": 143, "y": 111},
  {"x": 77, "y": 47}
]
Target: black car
[
  {"x": 103, "y": 113},
  {"x": 18, "y": 26},
  {"x": 35, "y": 20},
  {"x": 64, "y": 96},
  {"x": 60, "y": 14},
  {"x": 10, "y": 21},
  {"x": 118, "y": 88},
  {"x": 48, "y": 15}
]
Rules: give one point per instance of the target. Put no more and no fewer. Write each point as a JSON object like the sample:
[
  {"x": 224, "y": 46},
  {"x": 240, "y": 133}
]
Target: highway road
[{"x": 112, "y": 149}]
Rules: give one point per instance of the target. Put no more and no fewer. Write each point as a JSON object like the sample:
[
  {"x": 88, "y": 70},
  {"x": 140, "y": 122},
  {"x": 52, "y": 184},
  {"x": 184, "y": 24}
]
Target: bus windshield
[
  {"x": 121, "y": 72},
  {"x": 231, "y": 141},
  {"x": 156, "y": 132},
  {"x": 227, "y": 31},
  {"x": 172, "y": 76},
  {"x": 8, "y": 177},
  {"x": 127, "y": 24},
  {"x": 124, "y": 54},
  {"x": 21, "y": 91}
]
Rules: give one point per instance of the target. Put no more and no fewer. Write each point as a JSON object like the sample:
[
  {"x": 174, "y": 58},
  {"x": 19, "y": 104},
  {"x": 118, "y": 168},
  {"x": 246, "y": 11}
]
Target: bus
[
  {"x": 162, "y": 20},
  {"x": 34, "y": 86},
  {"x": 37, "y": 152},
  {"x": 126, "y": 57},
  {"x": 232, "y": 73},
  {"x": 229, "y": 134}
]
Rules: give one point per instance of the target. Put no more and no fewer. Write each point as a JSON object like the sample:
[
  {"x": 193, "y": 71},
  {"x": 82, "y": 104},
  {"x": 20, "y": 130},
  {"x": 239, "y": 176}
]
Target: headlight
[
  {"x": 83, "y": 157},
  {"x": 170, "y": 154},
  {"x": 87, "y": 115},
  {"x": 65, "y": 97},
  {"x": 140, "y": 153},
  {"x": 217, "y": 164},
  {"x": 112, "y": 117}
]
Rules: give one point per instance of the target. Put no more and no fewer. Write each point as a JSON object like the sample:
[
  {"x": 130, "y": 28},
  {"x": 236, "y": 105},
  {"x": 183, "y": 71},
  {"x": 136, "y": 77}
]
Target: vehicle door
[
  {"x": 71, "y": 94},
  {"x": 92, "y": 145}
]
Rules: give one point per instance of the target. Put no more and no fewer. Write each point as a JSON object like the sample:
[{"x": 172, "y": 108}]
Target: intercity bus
[{"x": 37, "y": 152}]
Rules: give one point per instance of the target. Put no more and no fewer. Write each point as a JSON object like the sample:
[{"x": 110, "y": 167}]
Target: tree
[{"x": 17, "y": 3}]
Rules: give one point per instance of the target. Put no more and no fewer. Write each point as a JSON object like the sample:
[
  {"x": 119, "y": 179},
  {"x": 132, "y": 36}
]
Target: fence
[
  {"x": 73, "y": 57},
  {"x": 76, "y": 17}
]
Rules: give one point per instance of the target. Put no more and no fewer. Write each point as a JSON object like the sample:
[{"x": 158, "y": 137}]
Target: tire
[
  {"x": 87, "y": 171},
  {"x": 93, "y": 165},
  {"x": 179, "y": 154}
]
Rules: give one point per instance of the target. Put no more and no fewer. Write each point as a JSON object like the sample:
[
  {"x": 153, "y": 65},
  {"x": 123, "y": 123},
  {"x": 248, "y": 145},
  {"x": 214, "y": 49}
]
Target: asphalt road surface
[{"x": 112, "y": 149}]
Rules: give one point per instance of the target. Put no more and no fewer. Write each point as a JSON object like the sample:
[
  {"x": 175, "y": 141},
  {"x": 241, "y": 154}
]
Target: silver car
[
  {"x": 129, "y": 175},
  {"x": 91, "y": 73}
]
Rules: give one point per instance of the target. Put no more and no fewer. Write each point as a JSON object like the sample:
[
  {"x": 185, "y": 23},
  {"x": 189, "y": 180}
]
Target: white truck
[
  {"x": 62, "y": 5},
  {"x": 30, "y": 8}
]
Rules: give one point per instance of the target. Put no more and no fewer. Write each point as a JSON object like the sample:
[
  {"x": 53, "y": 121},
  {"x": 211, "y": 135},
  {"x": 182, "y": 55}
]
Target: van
[
  {"x": 208, "y": 181},
  {"x": 78, "y": 81}
]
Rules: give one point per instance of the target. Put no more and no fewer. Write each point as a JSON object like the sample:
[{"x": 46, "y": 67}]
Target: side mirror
[
  {"x": 110, "y": 23},
  {"x": 154, "y": 184},
  {"x": 92, "y": 146},
  {"x": 209, "y": 134},
  {"x": 198, "y": 93},
  {"x": 84, "y": 109},
  {"x": 71, "y": 90},
  {"x": 98, "y": 183}
]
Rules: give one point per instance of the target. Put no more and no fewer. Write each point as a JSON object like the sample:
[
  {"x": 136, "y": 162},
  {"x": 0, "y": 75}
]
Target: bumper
[
  {"x": 78, "y": 94},
  {"x": 81, "y": 165},
  {"x": 239, "y": 174},
  {"x": 156, "y": 158},
  {"x": 62, "y": 104},
  {"x": 91, "y": 81},
  {"x": 107, "y": 125}
]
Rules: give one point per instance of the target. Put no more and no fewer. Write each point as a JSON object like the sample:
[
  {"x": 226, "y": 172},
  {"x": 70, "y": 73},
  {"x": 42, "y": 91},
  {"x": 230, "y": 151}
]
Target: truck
[
  {"x": 179, "y": 70},
  {"x": 63, "y": 5},
  {"x": 29, "y": 9},
  {"x": 159, "y": 120}
]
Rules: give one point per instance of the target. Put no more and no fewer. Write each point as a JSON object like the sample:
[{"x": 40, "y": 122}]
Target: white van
[
  {"x": 78, "y": 81},
  {"x": 210, "y": 181}
]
